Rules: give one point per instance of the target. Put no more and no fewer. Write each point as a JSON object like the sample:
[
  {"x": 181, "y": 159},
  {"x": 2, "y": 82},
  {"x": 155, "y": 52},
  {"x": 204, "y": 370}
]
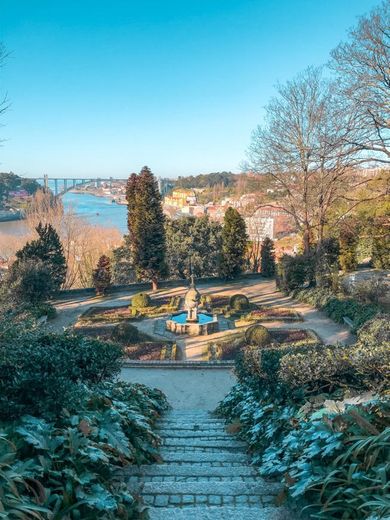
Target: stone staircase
[{"x": 205, "y": 474}]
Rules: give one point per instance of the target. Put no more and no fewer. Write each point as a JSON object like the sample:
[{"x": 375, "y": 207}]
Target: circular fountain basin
[{"x": 206, "y": 324}]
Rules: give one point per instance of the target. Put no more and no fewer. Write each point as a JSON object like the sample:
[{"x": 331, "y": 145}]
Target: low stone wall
[{"x": 146, "y": 286}]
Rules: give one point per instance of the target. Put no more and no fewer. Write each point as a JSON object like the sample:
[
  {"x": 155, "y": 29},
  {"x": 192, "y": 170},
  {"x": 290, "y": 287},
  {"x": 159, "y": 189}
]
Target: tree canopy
[{"x": 195, "y": 240}]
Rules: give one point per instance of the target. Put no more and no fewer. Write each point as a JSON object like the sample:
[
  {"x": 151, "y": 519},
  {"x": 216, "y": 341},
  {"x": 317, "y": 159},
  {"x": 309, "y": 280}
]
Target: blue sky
[{"x": 104, "y": 87}]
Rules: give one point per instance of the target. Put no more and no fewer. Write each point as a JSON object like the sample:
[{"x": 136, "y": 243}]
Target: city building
[
  {"x": 180, "y": 197},
  {"x": 268, "y": 221}
]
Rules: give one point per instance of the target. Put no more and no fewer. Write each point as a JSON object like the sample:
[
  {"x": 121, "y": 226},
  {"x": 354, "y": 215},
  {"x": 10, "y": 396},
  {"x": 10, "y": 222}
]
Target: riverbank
[{"x": 10, "y": 216}]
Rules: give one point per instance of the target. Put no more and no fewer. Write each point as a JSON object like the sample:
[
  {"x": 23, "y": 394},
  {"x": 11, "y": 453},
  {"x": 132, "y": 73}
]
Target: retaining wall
[{"x": 146, "y": 286}]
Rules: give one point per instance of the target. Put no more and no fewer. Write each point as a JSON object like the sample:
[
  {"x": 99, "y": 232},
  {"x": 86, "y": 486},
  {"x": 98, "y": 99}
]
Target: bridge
[{"x": 61, "y": 185}]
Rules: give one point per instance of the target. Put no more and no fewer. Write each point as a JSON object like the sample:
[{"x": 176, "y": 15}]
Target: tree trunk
[
  {"x": 154, "y": 284},
  {"x": 306, "y": 241}
]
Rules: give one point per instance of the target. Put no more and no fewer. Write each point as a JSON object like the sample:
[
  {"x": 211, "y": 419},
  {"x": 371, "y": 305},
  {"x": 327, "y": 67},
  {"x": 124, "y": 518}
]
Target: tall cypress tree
[
  {"x": 234, "y": 243},
  {"x": 145, "y": 221},
  {"x": 48, "y": 249},
  {"x": 267, "y": 254}
]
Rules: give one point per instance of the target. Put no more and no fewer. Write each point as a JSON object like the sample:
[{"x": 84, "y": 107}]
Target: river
[{"x": 97, "y": 210}]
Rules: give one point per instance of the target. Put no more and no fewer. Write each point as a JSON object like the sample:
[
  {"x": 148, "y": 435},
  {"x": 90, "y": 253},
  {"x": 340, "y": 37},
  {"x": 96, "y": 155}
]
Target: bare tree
[
  {"x": 4, "y": 99},
  {"x": 83, "y": 243},
  {"x": 302, "y": 146},
  {"x": 363, "y": 68}
]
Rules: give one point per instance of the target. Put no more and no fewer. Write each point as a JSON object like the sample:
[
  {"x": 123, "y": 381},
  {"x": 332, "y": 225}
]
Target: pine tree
[
  {"x": 48, "y": 249},
  {"x": 267, "y": 258},
  {"x": 234, "y": 243},
  {"x": 146, "y": 226},
  {"x": 101, "y": 276}
]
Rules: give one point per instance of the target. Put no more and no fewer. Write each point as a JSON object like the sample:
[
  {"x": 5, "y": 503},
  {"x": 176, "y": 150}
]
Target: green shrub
[
  {"x": 239, "y": 302},
  {"x": 43, "y": 309},
  {"x": 125, "y": 333},
  {"x": 375, "y": 331},
  {"x": 293, "y": 272},
  {"x": 41, "y": 373},
  {"x": 141, "y": 300},
  {"x": 258, "y": 335},
  {"x": 29, "y": 281}
]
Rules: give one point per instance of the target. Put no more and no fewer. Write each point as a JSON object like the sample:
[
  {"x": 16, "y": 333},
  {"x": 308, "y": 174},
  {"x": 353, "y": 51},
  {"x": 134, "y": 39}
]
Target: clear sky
[{"x": 104, "y": 87}]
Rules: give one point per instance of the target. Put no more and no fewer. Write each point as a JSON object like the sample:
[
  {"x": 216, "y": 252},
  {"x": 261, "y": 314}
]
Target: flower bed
[
  {"x": 152, "y": 351},
  {"x": 160, "y": 307},
  {"x": 228, "y": 348},
  {"x": 270, "y": 314},
  {"x": 221, "y": 304}
]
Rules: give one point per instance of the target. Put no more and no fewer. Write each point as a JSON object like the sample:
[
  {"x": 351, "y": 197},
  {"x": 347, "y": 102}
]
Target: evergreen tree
[
  {"x": 234, "y": 243},
  {"x": 146, "y": 226},
  {"x": 267, "y": 258},
  {"x": 348, "y": 239},
  {"x": 122, "y": 269},
  {"x": 48, "y": 249},
  {"x": 28, "y": 281},
  {"x": 101, "y": 276}
]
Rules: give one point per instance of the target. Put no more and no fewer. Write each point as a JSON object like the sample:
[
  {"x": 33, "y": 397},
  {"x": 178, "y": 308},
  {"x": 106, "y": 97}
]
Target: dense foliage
[
  {"x": 11, "y": 182},
  {"x": 195, "y": 240},
  {"x": 207, "y": 180},
  {"x": 234, "y": 244},
  {"x": 101, "y": 276},
  {"x": 317, "y": 418},
  {"x": 47, "y": 248},
  {"x": 145, "y": 221},
  {"x": 66, "y": 429},
  {"x": 28, "y": 281}
]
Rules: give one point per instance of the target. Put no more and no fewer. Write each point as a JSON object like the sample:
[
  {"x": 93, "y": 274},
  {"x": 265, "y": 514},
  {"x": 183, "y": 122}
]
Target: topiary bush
[
  {"x": 125, "y": 333},
  {"x": 239, "y": 302},
  {"x": 258, "y": 335},
  {"x": 141, "y": 300}
]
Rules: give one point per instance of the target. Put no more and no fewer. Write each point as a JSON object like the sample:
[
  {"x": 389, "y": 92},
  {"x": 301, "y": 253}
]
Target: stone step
[
  {"x": 238, "y": 489},
  {"x": 188, "y": 413},
  {"x": 204, "y": 443},
  {"x": 188, "y": 428},
  {"x": 191, "y": 470},
  {"x": 220, "y": 513},
  {"x": 191, "y": 424},
  {"x": 197, "y": 456},
  {"x": 194, "y": 434}
]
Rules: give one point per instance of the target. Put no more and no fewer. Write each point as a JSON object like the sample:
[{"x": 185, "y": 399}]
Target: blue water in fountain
[{"x": 182, "y": 318}]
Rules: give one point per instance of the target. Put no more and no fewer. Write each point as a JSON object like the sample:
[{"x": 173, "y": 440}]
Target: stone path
[{"x": 205, "y": 474}]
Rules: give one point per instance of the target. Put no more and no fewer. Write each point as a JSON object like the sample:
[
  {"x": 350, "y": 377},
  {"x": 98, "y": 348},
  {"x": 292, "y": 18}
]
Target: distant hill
[{"x": 207, "y": 180}]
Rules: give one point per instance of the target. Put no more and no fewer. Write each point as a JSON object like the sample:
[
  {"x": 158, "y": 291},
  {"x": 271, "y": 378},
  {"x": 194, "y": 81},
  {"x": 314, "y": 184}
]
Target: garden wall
[{"x": 146, "y": 286}]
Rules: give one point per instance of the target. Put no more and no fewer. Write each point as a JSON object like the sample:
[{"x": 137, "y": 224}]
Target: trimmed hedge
[
  {"x": 337, "y": 307},
  {"x": 141, "y": 300},
  {"x": 239, "y": 302},
  {"x": 258, "y": 335}
]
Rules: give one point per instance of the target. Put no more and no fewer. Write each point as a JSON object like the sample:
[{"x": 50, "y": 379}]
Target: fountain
[{"x": 191, "y": 321}]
